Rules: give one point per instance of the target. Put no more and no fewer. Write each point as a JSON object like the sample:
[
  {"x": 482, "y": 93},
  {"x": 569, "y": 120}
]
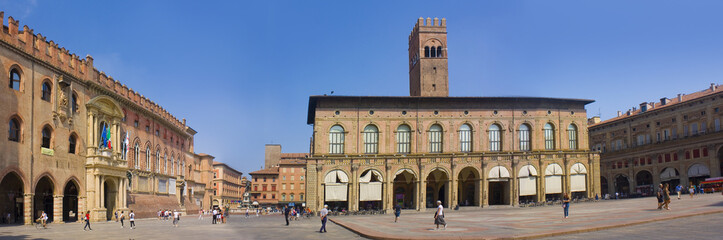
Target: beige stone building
[
  {"x": 56, "y": 156},
  {"x": 228, "y": 186},
  {"x": 377, "y": 152},
  {"x": 675, "y": 140}
]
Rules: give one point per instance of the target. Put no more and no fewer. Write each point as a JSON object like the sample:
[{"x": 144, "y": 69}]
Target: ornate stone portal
[{"x": 106, "y": 179}]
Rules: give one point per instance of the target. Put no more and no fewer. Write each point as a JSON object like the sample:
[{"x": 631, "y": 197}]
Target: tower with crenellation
[{"x": 428, "y": 72}]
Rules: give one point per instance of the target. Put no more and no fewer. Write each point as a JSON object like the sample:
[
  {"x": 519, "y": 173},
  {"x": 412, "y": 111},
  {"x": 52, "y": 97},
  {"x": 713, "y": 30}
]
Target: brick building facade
[{"x": 228, "y": 186}]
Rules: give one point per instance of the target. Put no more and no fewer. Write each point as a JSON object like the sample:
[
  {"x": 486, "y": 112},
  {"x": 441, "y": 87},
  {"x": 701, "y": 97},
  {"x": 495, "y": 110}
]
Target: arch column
[
  {"x": 353, "y": 200},
  {"x": 515, "y": 185},
  {"x": 388, "y": 199},
  {"x": 419, "y": 196},
  {"x": 28, "y": 207},
  {"x": 452, "y": 186},
  {"x": 684, "y": 175},
  {"x": 57, "y": 208},
  {"x": 484, "y": 185}
]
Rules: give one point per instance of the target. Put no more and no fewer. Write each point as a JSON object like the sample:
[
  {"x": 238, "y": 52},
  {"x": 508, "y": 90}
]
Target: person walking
[
  {"x": 247, "y": 212},
  {"x": 121, "y": 217},
  {"x": 566, "y": 203},
  {"x": 397, "y": 212},
  {"x": 666, "y": 196},
  {"x": 200, "y": 214},
  {"x": 678, "y": 189},
  {"x": 286, "y": 214},
  {"x": 214, "y": 212},
  {"x": 176, "y": 218},
  {"x": 322, "y": 214},
  {"x": 257, "y": 212},
  {"x": 87, "y": 221},
  {"x": 116, "y": 215},
  {"x": 659, "y": 195},
  {"x": 132, "y": 219},
  {"x": 691, "y": 190},
  {"x": 439, "y": 216}
]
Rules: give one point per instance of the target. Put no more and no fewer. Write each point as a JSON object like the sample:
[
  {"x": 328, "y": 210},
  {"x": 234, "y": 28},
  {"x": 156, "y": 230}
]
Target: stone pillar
[
  {"x": 57, "y": 209},
  {"x": 540, "y": 180},
  {"x": 81, "y": 208},
  {"x": 28, "y": 208},
  {"x": 683, "y": 175},
  {"x": 514, "y": 184},
  {"x": 388, "y": 189},
  {"x": 419, "y": 197},
  {"x": 452, "y": 183},
  {"x": 354, "y": 189},
  {"x": 101, "y": 193}
]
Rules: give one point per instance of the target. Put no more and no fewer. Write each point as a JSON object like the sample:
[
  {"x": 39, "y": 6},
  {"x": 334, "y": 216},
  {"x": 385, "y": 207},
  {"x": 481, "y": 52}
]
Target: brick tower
[{"x": 428, "y": 59}]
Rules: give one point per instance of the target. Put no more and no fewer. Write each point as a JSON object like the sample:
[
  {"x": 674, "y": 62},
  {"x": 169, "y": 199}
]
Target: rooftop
[{"x": 273, "y": 170}]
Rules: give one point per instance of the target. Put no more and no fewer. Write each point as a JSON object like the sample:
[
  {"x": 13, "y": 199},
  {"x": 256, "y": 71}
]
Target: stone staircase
[{"x": 147, "y": 205}]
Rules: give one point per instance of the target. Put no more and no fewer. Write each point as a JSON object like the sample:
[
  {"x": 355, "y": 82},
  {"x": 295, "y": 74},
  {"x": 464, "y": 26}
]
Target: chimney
[
  {"x": 620, "y": 113},
  {"x": 643, "y": 107},
  {"x": 680, "y": 97},
  {"x": 664, "y": 101},
  {"x": 712, "y": 87}
]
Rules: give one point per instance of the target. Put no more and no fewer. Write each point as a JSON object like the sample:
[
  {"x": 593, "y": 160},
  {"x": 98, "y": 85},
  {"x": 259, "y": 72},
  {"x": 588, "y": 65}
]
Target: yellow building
[{"x": 377, "y": 152}]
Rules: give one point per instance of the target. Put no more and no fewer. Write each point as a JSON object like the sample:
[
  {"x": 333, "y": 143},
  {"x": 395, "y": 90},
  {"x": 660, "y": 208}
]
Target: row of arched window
[
  {"x": 46, "y": 134},
  {"x": 291, "y": 197},
  {"x": 433, "y": 52},
  {"x": 403, "y": 138},
  {"x": 14, "y": 83},
  {"x": 175, "y": 161}
]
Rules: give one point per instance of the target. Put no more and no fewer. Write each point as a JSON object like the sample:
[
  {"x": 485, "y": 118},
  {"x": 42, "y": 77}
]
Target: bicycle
[{"x": 39, "y": 224}]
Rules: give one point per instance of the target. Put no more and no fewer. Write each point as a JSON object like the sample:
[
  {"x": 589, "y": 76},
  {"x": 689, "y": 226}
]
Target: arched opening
[
  {"x": 439, "y": 51},
  {"x": 437, "y": 188},
  {"x": 527, "y": 178},
  {"x": 110, "y": 194},
  {"x": 11, "y": 199},
  {"x": 468, "y": 187},
  {"x": 14, "y": 129},
  {"x": 644, "y": 181},
  {"x": 46, "y": 91},
  {"x": 70, "y": 202},
  {"x": 43, "y": 199},
  {"x": 370, "y": 190},
  {"x": 622, "y": 185},
  {"x": 426, "y": 51},
  {"x": 671, "y": 176},
  {"x": 336, "y": 185},
  {"x": 697, "y": 173},
  {"x": 578, "y": 180},
  {"x": 553, "y": 182},
  {"x": 14, "y": 79},
  {"x": 604, "y": 186},
  {"x": 47, "y": 135},
  {"x": 499, "y": 186},
  {"x": 405, "y": 189}
]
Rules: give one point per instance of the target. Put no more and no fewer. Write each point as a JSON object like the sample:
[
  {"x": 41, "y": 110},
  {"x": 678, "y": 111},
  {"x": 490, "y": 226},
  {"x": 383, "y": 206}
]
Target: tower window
[
  {"x": 46, "y": 92},
  {"x": 439, "y": 51},
  {"x": 433, "y": 52},
  {"x": 15, "y": 79},
  {"x": 426, "y": 51}
]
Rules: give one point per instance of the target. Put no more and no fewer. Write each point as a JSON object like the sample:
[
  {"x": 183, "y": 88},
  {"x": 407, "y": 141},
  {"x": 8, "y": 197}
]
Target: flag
[
  {"x": 125, "y": 146},
  {"x": 102, "y": 138},
  {"x": 108, "y": 139}
]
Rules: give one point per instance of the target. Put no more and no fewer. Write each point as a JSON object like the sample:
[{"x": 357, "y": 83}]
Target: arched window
[
  {"x": 173, "y": 165},
  {"x": 283, "y": 197},
  {"x": 165, "y": 163},
  {"x": 549, "y": 132},
  {"x": 465, "y": 138},
  {"x": 148, "y": 159},
  {"x": 14, "y": 79},
  {"x": 158, "y": 161},
  {"x": 136, "y": 157},
  {"x": 301, "y": 197},
  {"x": 14, "y": 127},
  {"x": 433, "y": 52},
  {"x": 524, "y": 137},
  {"x": 72, "y": 143},
  {"x": 74, "y": 103},
  {"x": 291, "y": 198},
  {"x": 47, "y": 135},
  {"x": 179, "y": 164},
  {"x": 371, "y": 139},
  {"x": 404, "y": 139},
  {"x": 572, "y": 136},
  {"x": 426, "y": 51},
  {"x": 495, "y": 138},
  {"x": 435, "y": 139},
  {"x": 336, "y": 140},
  {"x": 182, "y": 169},
  {"x": 46, "y": 91},
  {"x": 439, "y": 51}
]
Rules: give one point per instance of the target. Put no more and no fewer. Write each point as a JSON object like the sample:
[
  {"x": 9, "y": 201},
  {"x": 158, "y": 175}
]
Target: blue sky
[{"x": 257, "y": 62}]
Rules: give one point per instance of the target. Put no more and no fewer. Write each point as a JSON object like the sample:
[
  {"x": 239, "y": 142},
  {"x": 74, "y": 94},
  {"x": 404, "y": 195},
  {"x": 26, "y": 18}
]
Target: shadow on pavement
[
  {"x": 20, "y": 237},
  {"x": 719, "y": 204}
]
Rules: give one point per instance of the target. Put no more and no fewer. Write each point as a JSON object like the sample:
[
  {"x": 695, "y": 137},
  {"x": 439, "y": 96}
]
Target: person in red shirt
[{"x": 87, "y": 221}]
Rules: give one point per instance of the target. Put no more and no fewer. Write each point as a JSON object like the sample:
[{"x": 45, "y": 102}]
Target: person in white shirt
[
  {"x": 213, "y": 220},
  {"x": 132, "y": 219},
  {"x": 439, "y": 216},
  {"x": 322, "y": 215},
  {"x": 176, "y": 217}
]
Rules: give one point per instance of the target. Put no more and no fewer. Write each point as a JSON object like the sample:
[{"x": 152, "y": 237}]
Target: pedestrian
[
  {"x": 397, "y": 212},
  {"x": 200, "y": 215},
  {"x": 566, "y": 203},
  {"x": 132, "y": 219},
  {"x": 159, "y": 214},
  {"x": 43, "y": 219},
  {"x": 225, "y": 215},
  {"x": 659, "y": 195},
  {"x": 247, "y": 212},
  {"x": 286, "y": 214},
  {"x": 666, "y": 196},
  {"x": 121, "y": 217},
  {"x": 87, "y": 221},
  {"x": 439, "y": 216},
  {"x": 691, "y": 190},
  {"x": 214, "y": 212},
  {"x": 257, "y": 212},
  {"x": 116, "y": 215},
  {"x": 678, "y": 189},
  {"x": 322, "y": 215},
  {"x": 176, "y": 217}
]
